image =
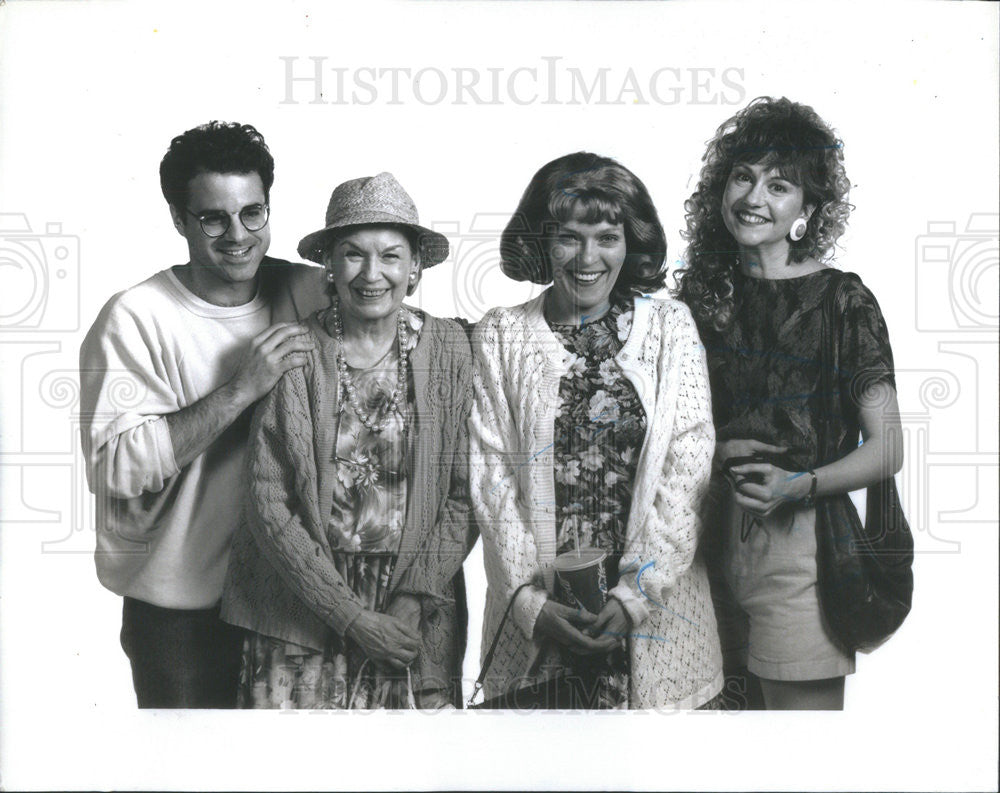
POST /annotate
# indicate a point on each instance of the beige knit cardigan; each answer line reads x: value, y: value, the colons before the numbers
x: 518, y: 362
x: 281, y: 580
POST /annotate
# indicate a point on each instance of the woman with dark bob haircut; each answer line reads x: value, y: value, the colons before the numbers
x: 598, y: 188
x: 591, y: 439
x: 770, y: 205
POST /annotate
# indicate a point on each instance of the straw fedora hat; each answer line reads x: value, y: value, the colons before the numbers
x: 373, y: 199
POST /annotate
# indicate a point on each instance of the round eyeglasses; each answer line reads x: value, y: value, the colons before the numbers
x: 215, y: 224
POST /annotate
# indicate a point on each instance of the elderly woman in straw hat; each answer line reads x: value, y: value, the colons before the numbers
x: 346, y: 569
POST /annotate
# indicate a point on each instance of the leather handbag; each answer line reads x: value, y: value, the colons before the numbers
x: 865, y: 571
x: 552, y: 691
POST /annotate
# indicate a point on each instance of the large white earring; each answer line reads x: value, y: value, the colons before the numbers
x: 329, y: 276
x: 798, y: 229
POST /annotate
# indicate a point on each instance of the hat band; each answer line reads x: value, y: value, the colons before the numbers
x: 363, y: 217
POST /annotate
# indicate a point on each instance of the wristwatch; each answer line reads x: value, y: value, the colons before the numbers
x: 810, y: 500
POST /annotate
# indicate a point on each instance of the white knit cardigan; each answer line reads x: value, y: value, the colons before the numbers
x: 674, y: 647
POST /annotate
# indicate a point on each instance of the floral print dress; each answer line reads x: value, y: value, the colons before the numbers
x: 599, y: 431
x: 364, y: 528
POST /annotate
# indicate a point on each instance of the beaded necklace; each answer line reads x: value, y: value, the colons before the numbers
x: 347, y: 382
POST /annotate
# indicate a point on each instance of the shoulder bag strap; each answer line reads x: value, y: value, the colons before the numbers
x: 493, y: 646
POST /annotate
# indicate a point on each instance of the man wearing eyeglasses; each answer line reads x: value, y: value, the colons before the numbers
x: 169, y: 372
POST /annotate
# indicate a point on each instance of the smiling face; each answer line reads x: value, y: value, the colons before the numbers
x: 586, y: 259
x: 759, y: 206
x: 223, y: 269
x: 371, y: 269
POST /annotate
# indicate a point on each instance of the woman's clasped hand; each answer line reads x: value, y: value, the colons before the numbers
x: 394, y: 640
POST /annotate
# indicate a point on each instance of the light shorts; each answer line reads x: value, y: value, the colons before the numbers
x: 770, y: 565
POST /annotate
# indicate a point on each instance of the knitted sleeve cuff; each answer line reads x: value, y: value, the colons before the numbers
x: 343, y: 614
x: 635, y: 606
x: 527, y: 605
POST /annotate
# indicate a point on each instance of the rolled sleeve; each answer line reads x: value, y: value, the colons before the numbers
x: 136, y: 461
x: 125, y: 397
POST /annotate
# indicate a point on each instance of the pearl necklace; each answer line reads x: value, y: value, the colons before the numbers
x: 347, y: 382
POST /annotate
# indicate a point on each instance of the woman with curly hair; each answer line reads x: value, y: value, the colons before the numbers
x: 591, y: 427
x: 769, y: 207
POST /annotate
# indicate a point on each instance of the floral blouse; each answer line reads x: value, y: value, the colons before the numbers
x: 599, y: 431
x: 369, y: 496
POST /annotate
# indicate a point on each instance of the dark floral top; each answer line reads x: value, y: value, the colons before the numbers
x: 765, y: 368
x: 599, y: 431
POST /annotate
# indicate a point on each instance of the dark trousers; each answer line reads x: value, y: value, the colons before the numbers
x: 181, y: 658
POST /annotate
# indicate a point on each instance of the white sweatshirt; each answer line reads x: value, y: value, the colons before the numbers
x: 163, y: 533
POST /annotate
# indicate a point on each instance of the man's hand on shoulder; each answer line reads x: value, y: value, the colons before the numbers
x: 267, y: 357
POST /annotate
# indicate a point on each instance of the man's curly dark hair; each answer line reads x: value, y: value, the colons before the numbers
x: 215, y: 147
x: 777, y: 133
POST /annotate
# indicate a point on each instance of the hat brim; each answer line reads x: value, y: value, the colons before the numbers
x: 433, y: 245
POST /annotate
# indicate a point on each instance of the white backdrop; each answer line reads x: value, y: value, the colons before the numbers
x: 91, y: 94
